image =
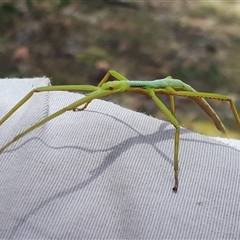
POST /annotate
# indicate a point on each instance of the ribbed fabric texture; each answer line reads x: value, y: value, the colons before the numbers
x: 107, y: 173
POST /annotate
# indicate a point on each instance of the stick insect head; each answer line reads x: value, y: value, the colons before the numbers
x: 116, y: 86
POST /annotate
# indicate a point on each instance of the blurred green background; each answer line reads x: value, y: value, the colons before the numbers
x: 77, y: 42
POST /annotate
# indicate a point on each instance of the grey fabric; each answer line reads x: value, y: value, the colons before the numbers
x: 106, y: 173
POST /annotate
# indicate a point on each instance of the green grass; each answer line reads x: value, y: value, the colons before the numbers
x: 208, y: 128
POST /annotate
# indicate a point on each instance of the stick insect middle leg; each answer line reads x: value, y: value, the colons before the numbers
x: 174, y: 121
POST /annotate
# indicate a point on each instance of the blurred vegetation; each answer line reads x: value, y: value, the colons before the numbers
x: 76, y: 42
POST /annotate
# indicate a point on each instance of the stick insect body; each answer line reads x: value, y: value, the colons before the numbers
x: 168, y: 86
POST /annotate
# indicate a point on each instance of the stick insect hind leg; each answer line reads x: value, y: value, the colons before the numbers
x: 198, y: 96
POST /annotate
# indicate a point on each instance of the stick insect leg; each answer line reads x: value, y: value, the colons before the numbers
x: 47, y: 89
x: 172, y: 105
x: 110, y: 73
x: 198, y: 97
x: 96, y: 94
x: 176, y: 124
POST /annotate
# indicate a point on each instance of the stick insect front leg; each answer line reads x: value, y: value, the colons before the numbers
x: 110, y: 73
x: 47, y: 89
x: 95, y: 94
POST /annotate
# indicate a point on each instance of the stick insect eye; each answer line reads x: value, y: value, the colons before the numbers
x: 108, y: 86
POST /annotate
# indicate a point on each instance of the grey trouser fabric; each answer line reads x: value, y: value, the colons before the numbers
x: 107, y: 172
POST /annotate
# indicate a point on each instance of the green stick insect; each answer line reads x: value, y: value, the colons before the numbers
x: 168, y: 86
